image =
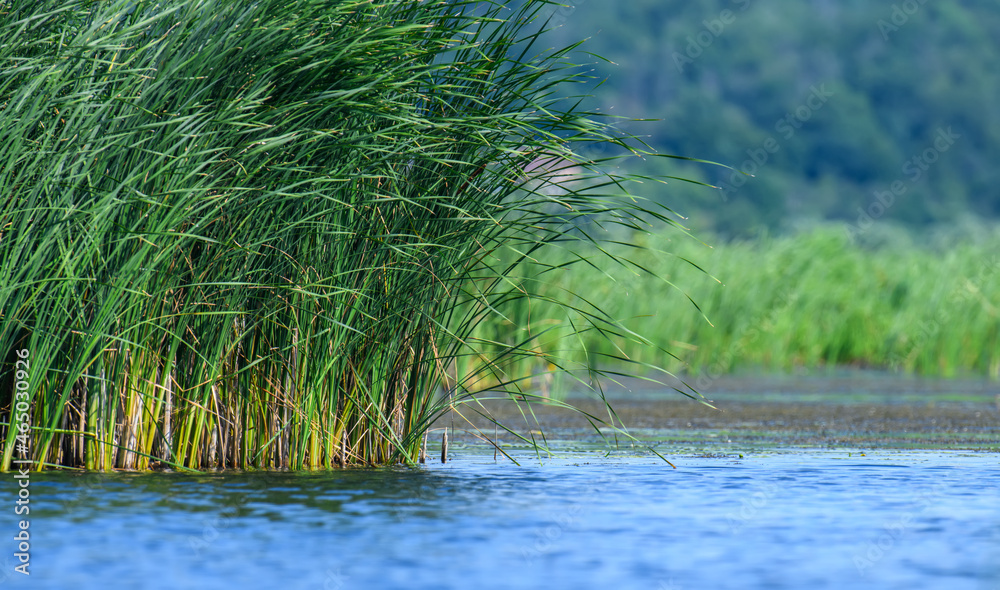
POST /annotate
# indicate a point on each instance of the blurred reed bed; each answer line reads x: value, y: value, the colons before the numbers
x: 263, y: 234
x: 925, y: 303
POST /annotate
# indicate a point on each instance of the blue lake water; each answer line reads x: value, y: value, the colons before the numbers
x: 793, y: 518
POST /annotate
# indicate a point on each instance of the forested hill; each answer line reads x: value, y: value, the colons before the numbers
x: 839, y: 108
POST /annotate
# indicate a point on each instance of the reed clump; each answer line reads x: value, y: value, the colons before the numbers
x: 261, y: 234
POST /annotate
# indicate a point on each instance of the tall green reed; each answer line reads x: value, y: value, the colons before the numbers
x: 260, y: 234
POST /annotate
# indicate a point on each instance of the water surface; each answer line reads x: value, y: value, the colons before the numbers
x: 817, y: 519
x: 791, y: 487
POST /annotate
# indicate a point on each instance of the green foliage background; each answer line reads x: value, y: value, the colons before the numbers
x: 815, y: 299
x: 721, y: 82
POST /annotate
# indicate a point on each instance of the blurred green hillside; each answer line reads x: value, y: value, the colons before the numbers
x: 841, y: 110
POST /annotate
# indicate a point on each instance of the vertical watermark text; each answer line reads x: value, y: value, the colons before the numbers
x: 21, y: 421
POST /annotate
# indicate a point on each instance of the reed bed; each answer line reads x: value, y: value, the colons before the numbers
x: 263, y: 234
x: 912, y: 301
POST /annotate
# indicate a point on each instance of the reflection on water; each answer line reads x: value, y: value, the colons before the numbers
x: 803, y: 519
